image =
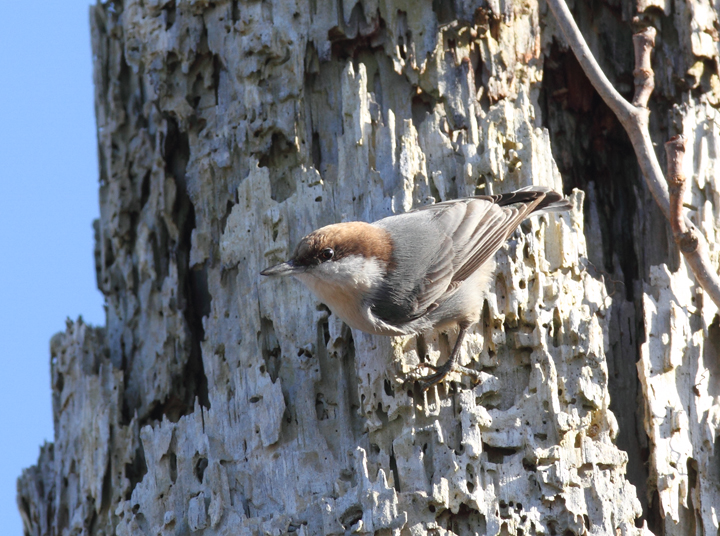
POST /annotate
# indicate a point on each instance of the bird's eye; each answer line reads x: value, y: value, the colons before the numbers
x: 327, y: 254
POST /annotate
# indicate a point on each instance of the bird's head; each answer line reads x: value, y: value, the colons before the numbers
x: 343, y: 253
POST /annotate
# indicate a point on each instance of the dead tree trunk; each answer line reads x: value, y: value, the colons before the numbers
x: 214, y: 402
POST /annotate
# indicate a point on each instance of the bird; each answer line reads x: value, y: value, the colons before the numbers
x: 426, y: 269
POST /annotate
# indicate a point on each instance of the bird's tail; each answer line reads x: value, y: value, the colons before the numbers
x: 552, y: 201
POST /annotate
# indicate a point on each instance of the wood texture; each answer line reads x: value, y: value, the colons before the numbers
x: 217, y: 402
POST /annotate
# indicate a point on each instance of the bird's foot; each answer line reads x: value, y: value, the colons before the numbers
x: 426, y: 382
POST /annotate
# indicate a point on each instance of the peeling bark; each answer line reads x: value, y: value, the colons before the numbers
x: 214, y: 402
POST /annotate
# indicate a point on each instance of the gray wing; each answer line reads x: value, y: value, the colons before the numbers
x: 439, y: 246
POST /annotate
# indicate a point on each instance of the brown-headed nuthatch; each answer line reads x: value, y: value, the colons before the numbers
x: 411, y: 273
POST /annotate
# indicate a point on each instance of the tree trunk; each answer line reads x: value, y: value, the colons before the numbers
x: 217, y: 402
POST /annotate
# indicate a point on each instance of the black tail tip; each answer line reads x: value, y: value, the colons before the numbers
x: 554, y: 202
x: 551, y: 201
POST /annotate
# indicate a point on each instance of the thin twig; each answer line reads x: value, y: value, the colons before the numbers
x: 643, y: 41
x: 687, y: 239
x: 675, y: 150
x: 634, y: 119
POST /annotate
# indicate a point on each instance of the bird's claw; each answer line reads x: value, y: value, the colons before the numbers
x: 426, y: 382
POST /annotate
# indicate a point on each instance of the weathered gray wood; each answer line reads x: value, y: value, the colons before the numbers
x: 215, y: 402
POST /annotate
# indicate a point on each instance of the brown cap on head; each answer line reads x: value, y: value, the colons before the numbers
x: 344, y: 239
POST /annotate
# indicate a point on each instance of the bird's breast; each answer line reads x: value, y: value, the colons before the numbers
x: 345, y: 286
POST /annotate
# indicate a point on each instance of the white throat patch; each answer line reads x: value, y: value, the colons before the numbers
x: 343, y: 285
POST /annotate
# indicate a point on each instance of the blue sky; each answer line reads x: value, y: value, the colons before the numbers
x: 48, y: 188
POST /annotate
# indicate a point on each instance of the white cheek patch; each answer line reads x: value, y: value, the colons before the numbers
x: 355, y: 271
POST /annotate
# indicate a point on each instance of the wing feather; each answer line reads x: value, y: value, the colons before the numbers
x: 465, y: 234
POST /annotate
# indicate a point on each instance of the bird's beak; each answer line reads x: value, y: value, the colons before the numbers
x: 282, y: 269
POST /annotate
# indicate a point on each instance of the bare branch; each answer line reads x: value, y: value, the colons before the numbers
x: 634, y: 118
x: 643, y: 41
x: 622, y: 108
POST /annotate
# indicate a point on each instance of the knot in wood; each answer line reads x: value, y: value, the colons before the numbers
x: 675, y: 182
x: 688, y: 242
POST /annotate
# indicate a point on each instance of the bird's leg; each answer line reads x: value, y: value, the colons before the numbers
x: 443, y: 370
